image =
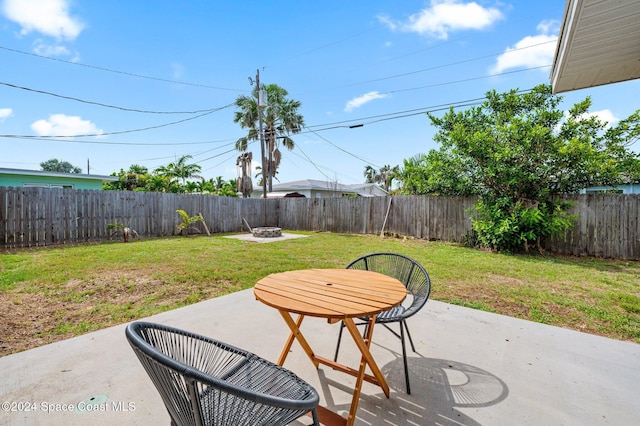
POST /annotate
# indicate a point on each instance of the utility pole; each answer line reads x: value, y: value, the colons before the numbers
x: 264, y: 165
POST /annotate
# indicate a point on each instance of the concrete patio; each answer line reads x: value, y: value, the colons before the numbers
x: 471, y: 368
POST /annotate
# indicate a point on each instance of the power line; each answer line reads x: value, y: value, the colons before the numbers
x: 420, y: 110
x: 205, y: 112
x: 400, y: 114
x: 218, y: 155
x: 318, y: 165
x: 394, y: 116
x: 450, y: 64
x: 444, y: 66
x: 430, y: 110
x: 115, y: 133
x: 218, y: 147
x: 332, y: 43
x: 121, y: 72
x: 223, y: 153
x: 415, y: 52
x: 222, y: 162
x: 37, y: 138
x: 341, y: 149
x: 312, y: 163
x: 464, y: 80
x: 403, y: 114
x: 195, y: 154
x: 14, y: 86
x: 310, y: 128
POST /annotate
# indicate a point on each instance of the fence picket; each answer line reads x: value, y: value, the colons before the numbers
x: 608, y: 224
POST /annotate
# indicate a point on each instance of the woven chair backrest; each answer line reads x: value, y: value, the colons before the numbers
x: 404, y: 269
x: 203, y: 381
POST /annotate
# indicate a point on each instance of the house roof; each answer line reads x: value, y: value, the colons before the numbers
x: 599, y: 43
x: 368, y: 189
x: 320, y: 185
x: 22, y: 172
x: 311, y: 184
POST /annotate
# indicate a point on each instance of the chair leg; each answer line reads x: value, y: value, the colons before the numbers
x: 314, y: 415
x: 403, y: 327
x: 335, y: 358
x: 404, y: 357
x: 365, y: 332
x: 409, y: 334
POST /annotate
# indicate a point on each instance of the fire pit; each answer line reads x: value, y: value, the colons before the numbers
x: 267, y: 232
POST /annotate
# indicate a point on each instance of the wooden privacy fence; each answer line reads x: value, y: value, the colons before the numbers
x: 42, y: 216
x: 608, y: 225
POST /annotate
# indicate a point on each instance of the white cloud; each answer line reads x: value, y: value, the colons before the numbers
x: 605, y: 115
x: 388, y: 22
x: 361, y: 100
x: 50, y: 50
x: 531, y: 51
x: 65, y: 125
x: 446, y: 16
x: 42, y: 48
x: 5, y: 113
x: 48, y: 17
x: 549, y: 26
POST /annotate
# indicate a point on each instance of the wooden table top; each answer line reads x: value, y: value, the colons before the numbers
x: 330, y: 293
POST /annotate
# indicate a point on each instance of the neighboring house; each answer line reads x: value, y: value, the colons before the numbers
x: 368, y: 189
x: 321, y: 189
x: 40, y: 179
x: 629, y: 188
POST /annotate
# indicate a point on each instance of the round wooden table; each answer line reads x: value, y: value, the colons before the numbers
x: 337, y: 295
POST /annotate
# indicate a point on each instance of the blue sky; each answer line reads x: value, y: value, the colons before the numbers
x: 148, y: 82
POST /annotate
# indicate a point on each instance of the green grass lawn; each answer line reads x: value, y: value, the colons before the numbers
x: 52, y: 294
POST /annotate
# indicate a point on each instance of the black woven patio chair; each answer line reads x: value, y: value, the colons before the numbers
x: 206, y: 382
x: 416, y: 280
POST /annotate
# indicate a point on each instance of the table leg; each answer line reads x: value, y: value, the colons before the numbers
x: 364, y: 349
x: 367, y: 359
x: 294, y: 326
x: 290, y: 339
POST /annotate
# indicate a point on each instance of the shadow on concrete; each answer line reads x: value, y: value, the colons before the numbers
x: 439, y: 388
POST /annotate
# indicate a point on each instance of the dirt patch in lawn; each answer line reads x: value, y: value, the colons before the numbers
x: 29, y: 320
x: 25, y: 320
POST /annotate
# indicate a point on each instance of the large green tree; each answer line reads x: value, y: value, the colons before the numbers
x: 412, y: 175
x: 55, y: 165
x: 134, y: 179
x: 280, y: 118
x: 517, y: 150
x: 438, y: 173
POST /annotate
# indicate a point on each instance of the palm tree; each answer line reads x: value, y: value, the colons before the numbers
x: 245, y: 185
x: 180, y: 170
x: 371, y: 175
x: 158, y: 183
x: 384, y: 176
x: 280, y: 120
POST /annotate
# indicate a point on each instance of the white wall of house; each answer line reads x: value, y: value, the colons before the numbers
x: 322, y: 189
x: 630, y: 188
